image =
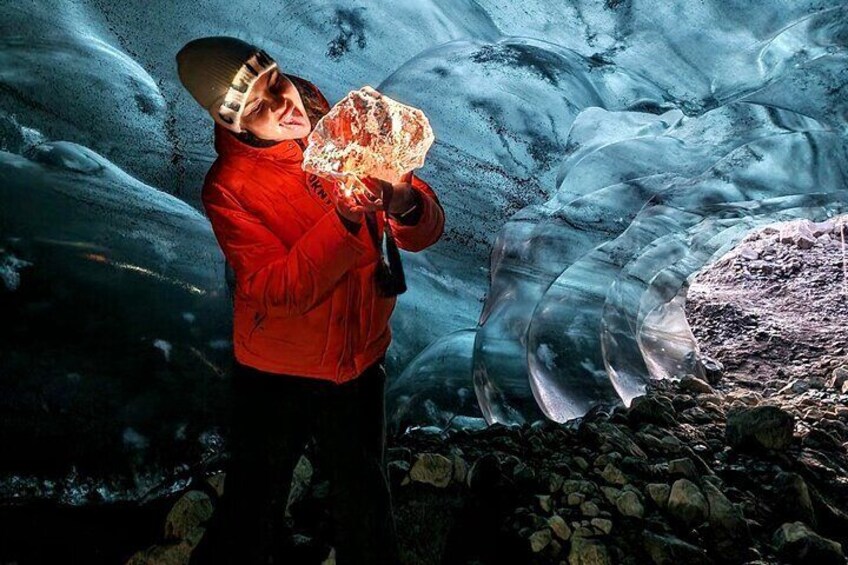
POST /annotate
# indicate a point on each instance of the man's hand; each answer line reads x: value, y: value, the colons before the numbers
x: 402, y: 193
x: 352, y: 206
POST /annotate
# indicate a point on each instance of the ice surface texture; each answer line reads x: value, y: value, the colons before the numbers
x: 366, y: 133
x: 590, y: 157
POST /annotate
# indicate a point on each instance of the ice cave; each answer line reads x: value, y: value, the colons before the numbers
x: 592, y: 158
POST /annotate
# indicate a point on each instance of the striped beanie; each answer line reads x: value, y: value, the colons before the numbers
x: 219, y: 73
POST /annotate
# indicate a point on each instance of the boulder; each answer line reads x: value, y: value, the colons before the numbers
x: 585, y: 551
x: 794, y: 501
x: 629, y: 504
x: 559, y: 527
x: 759, y: 427
x: 683, y: 467
x: 188, y: 515
x: 796, y: 543
x: 659, y: 493
x: 687, y: 504
x: 432, y: 468
x: 652, y: 409
x: 540, y: 539
x: 694, y: 385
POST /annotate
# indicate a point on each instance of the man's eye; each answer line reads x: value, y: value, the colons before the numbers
x: 255, y: 109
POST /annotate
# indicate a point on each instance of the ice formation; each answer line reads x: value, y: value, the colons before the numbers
x: 590, y: 156
x: 367, y: 133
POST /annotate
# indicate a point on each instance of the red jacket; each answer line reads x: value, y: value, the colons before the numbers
x: 305, y: 300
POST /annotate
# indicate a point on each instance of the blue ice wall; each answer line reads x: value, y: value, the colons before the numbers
x: 590, y: 157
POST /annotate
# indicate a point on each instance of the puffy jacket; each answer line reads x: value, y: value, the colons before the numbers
x: 305, y: 301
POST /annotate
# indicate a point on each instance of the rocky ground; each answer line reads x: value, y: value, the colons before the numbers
x: 747, y: 466
x: 774, y: 310
x: 691, y: 473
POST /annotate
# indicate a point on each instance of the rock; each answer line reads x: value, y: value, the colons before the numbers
x: 582, y: 530
x: 694, y: 385
x: 588, y: 552
x: 523, y: 473
x: 671, y: 444
x: 794, y: 498
x: 602, y: 525
x: 796, y: 386
x: 188, y: 514
x: 759, y: 427
x: 576, y: 486
x: 590, y: 509
x: 805, y: 241
x: 629, y: 504
x: 799, y: 234
x: 613, y: 475
x: 331, y: 557
x: 838, y: 378
x: 821, y: 228
x: 684, y: 467
x: 659, y: 493
x: 722, y: 513
x: 555, y: 548
x: 796, y: 543
x: 748, y: 252
x: 686, y: 503
x: 301, y: 478
x: 432, y: 468
x: 576, y: 498
x: 540, y: 539
x: 651, y: 409
x: 669, y: 550
x: 611, y: 494
x: 544, y: 501
x: 713, y: 369
x: 559, y: 527
x: 555, y: 482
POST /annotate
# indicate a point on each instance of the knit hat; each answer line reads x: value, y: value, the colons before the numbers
x: 219, y: 73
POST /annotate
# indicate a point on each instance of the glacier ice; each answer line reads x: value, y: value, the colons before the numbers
x: 590, y: 156
x: 101, y: 366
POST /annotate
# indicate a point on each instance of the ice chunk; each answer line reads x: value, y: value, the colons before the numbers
x: 367, y: 133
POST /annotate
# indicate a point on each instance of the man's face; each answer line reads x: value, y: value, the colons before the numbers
x: 274, y: 110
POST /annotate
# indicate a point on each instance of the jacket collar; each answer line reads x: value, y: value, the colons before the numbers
x: 288, y: 150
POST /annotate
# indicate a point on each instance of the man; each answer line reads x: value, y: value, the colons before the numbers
x: 311, y: 326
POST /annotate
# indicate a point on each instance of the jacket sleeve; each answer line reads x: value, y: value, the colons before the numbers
x: 430, y: 225
x: 291, y: 280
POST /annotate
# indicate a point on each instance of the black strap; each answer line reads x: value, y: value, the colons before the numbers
x: 390, y: 278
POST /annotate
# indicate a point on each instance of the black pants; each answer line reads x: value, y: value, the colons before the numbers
x: 273, y: 417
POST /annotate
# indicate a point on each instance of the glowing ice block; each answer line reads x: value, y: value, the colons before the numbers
x: 368, y: 134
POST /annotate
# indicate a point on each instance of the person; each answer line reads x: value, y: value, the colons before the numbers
x: 311, y: 308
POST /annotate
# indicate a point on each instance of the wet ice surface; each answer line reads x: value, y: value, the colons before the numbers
x: 590, y: 158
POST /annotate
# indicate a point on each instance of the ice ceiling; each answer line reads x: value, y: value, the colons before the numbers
x: 590, y: 157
